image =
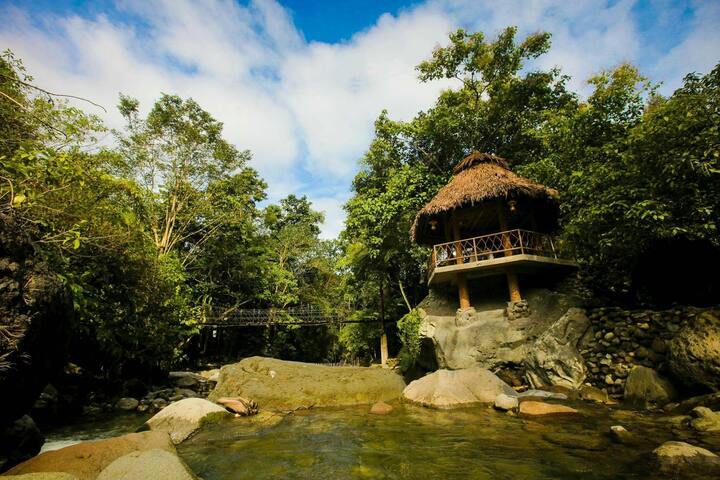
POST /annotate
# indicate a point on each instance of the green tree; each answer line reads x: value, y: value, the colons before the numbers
x: 496, y: 107
x: 186, y: 168
x: 633, y: 169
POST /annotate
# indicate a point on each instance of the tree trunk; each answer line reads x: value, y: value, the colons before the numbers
x: 383, y: 336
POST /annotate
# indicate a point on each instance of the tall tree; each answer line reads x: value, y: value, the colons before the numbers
x: 179, y: 156
x: 495, y: 107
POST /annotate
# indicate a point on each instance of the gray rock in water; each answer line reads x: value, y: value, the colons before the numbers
x: 542, y: 394
x: 181, y: 419
x: 506, y: 402
x: 456, y: 388
x: 619, y: 434
x: 554, y: 358
x: 187, y: 381
x: 680, y: 458
x: 695, y: 352
x: 155, y: 464
x: 645, y: 388
x: 127, y: 404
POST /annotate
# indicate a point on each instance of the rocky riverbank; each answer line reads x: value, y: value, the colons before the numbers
x: 685, y: 439
x: 624, y: 339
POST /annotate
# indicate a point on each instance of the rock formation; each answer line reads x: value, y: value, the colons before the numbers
x: 182, y: 418
x: 156, y: 464
x: 282, y: 385
x: 644, y: 387
x: 554, y: 358
x: 485, y: 336
x: 456, y: 388
x: 695, y: 352
x: 86, y: 460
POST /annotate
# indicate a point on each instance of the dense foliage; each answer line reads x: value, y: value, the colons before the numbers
x: 168, y: 225
x: 156, y: 233
x: 638, y: 174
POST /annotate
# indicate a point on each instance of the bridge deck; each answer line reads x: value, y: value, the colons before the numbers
x: 299, y: 316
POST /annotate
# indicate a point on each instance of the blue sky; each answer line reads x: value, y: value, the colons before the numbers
x: 300, y: 83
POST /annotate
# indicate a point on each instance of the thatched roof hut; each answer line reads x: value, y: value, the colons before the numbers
x: 481, y: 180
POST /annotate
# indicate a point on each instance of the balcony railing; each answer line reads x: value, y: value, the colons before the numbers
x: 488, y: 247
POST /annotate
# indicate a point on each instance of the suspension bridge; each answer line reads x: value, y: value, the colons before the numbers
x: 298, y: 316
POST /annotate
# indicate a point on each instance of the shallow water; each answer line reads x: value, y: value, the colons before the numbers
x: 95, y: 427
x: 418, y: 443
x: 410, y: 443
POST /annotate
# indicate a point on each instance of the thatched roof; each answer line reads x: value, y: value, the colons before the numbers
x: 479, y: 177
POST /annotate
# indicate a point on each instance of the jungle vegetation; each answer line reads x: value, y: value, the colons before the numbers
x: 169, y: 221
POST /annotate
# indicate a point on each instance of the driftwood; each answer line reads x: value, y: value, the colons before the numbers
x: 238, y: 405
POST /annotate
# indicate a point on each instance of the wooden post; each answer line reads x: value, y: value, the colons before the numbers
x: 383, y: 336
x: 463, y: 291
x: 512, y: 280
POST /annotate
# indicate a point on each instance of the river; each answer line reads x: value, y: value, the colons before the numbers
x: 411, y: 443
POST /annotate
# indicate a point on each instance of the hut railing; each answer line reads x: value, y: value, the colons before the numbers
x: 488, y: 247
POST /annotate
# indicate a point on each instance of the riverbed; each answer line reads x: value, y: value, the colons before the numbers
x: 413, y: 443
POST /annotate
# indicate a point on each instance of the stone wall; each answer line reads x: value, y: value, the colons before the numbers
x: 626, y: 338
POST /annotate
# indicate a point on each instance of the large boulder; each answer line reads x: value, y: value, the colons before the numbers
x: 155, y: 464
x: 472, y: 338
x: 487, y: 335
x: 282, y: 385
x: 680, y: 458
x: 645, y: 388
x: 456, y: 388
x: 86, y: 460
x: 42, y: 476
x: 182, y: 418
x: 554, y: 358
x: 695, y: 352
x: 20, y: 441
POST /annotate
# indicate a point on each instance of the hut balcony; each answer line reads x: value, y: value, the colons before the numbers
x: 522, y: 251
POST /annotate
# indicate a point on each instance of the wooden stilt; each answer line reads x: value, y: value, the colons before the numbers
x: 513, y: 286
x: 463, y: 291
x: 512, y: 280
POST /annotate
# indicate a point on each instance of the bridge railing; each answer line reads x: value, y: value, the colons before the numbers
x: 303, y: 315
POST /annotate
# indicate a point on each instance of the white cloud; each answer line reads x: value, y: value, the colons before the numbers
x: 337, y: 91
x: 587, y: 36
x: 698, y: 52
x: 331, y: 207
x: 306, y: 109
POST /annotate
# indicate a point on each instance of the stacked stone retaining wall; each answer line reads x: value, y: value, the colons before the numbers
x: 626, y: 338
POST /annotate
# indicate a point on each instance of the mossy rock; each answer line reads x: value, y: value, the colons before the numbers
x: 283, y: 385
